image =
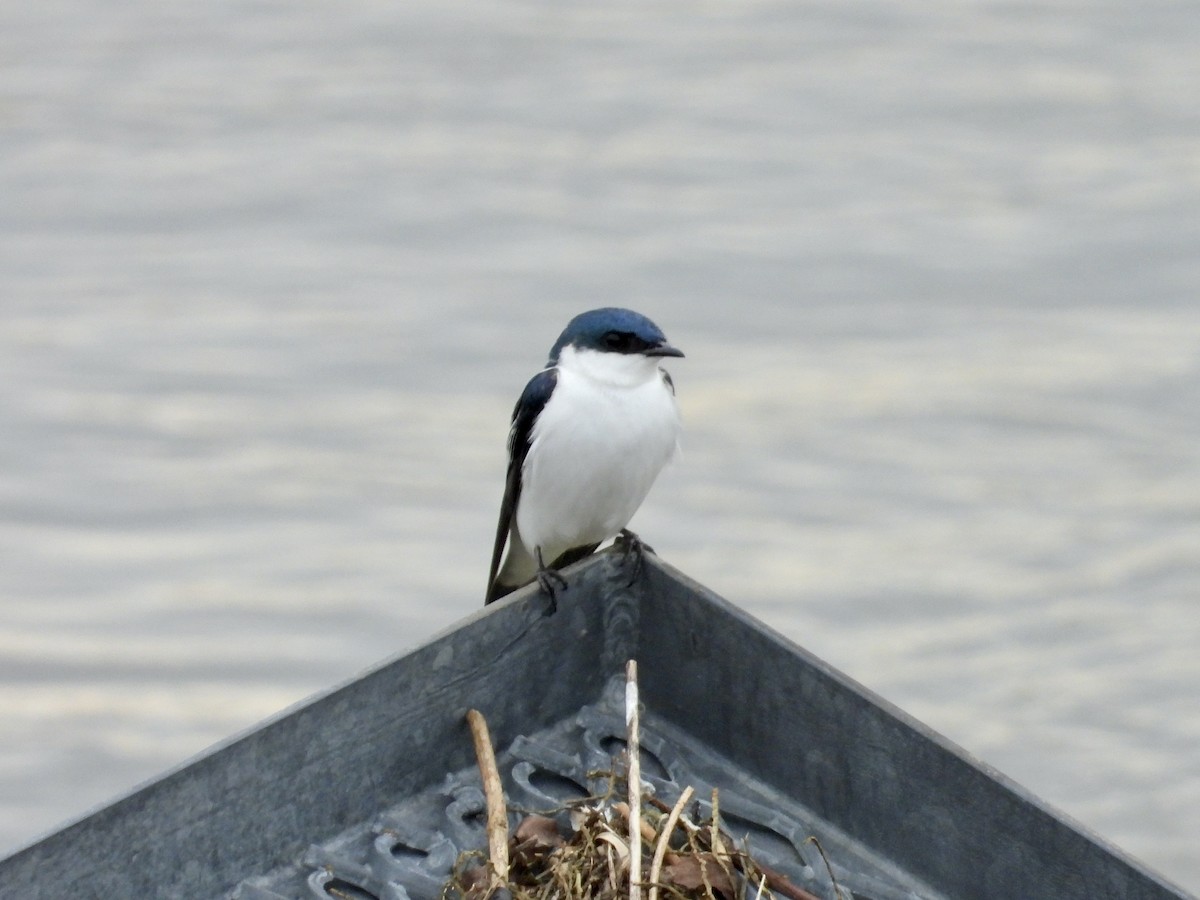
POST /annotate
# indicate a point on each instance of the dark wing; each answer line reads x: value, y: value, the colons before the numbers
x: 528, y: 408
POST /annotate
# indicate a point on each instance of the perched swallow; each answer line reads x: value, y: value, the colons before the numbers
x: 589, y: 435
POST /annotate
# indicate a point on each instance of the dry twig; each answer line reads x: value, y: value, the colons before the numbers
x: 664, y: 838
x: 634, y: 778
x: 493, y: 791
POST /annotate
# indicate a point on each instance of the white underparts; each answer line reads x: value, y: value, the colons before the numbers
x: 604, y: 435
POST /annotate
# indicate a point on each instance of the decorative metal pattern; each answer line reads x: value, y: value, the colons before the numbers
x: 409, y: 850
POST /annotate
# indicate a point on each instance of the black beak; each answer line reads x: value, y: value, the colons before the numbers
x: 663, y: 349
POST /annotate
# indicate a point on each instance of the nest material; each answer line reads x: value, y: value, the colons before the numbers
x: 601, y: 857
x: 682, y: 859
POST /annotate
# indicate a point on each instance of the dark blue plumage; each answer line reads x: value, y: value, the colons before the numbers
x: 533, y: 399
x: 612, y: 329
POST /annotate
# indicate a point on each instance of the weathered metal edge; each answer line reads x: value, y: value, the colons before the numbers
x: 259, y: 799
x: 813, y: 733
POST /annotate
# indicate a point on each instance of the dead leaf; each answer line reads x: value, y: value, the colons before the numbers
x: 475, y: 881
x: 538, y: 831
x: 689, y: 872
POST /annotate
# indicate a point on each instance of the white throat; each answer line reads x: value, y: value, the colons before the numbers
x: 615, y: 369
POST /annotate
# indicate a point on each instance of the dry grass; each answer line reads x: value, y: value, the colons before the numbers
x: 688, y: 858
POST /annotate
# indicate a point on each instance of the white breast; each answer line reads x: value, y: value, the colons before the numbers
x: 603, y: 437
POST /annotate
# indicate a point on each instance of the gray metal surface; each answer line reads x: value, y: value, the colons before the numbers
x: 407, y: 852
x: 730, y: 704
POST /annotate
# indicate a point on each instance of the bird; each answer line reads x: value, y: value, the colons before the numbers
x: 590, y: 434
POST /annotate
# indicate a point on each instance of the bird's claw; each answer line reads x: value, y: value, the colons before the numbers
x: 633, y: 551
x: 551, y: 582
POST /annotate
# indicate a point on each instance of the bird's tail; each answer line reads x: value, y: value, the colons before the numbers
x: 498, y: 588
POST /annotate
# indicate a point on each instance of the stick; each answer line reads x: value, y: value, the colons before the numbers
x: 837, y: 891
x: 634, y: 777
x: 497, y: 814
x: 660, y: 850
x: 718, y: 845
x: 780, y: 883
x: 621, y: 808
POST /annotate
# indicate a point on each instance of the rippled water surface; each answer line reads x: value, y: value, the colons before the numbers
x: 271, y: 276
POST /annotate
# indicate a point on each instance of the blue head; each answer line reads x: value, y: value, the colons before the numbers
x: 613, y: 330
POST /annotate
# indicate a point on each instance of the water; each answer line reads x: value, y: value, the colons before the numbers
x: 272, y: 276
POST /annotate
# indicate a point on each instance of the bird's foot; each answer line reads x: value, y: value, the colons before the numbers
x: 633, y: 552
x: 551, y: 582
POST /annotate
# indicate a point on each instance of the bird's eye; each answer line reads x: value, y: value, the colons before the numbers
x: 615, y: 340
